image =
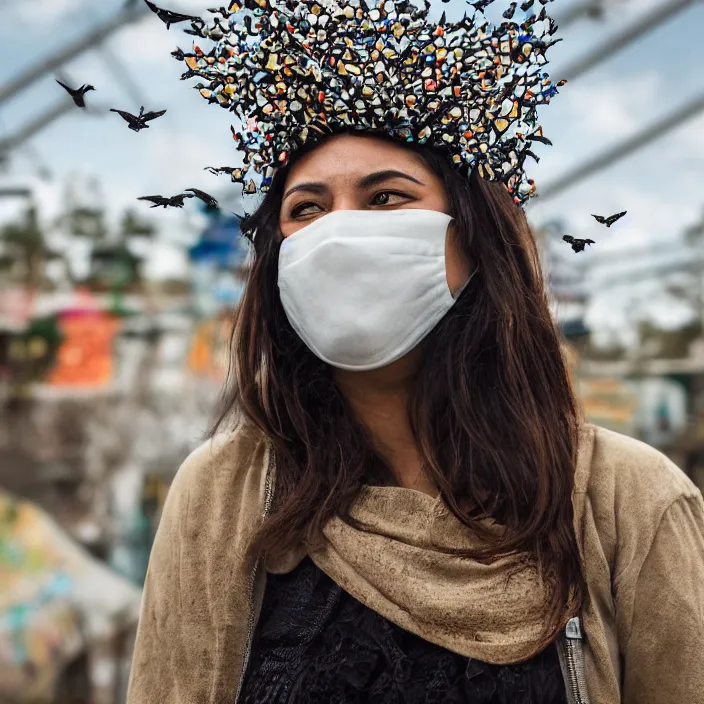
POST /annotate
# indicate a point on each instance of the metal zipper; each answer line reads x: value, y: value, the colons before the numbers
x: 269, y: 492
x: 571, y: 652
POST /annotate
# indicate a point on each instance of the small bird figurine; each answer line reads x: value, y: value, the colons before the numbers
x: 216, y: 170
x: 221, y: 10
x: 538, y: 137
x: 236, y: 174
x: 577, y: 244
x: 168, y: 17
x: 138, y: 122
x: 480, y: 5
x: 208, y: 93
x: 511, y: 11
x: 173, y: 202
x: 196, y: 30
x: 78, y: 94
x: 610, y: 220
x: 527, y: 5
x: 210, y: 202
x: 189, y: 74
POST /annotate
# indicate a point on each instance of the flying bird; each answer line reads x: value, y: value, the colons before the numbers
x: 173, y: 202
x: 527, y: 5
x: 78, y: 94
x: 211, y: 202
x: 577, y: 244
x: 168, y: 17
x: 138, y: 122
x: 609, y: 221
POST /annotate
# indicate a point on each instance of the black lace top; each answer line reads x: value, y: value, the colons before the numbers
x: 316, y: 644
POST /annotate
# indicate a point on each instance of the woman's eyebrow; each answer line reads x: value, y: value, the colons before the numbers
x: 379, y: 176
x: 365, y: 182
x: 310, y: 186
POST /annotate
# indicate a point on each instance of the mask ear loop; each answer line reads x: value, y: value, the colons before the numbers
x: 458, y: 293
x: 465, y: 284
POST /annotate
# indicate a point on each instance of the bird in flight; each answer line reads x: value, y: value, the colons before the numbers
x: 577, y: 244
x: 78, y: 94
x: 138, y: 122
x: 168, y: 17
x: 609, y: 221
x: 211, y: 202
x: 173, y: 202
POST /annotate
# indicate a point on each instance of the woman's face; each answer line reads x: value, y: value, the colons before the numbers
x: 356, y: 172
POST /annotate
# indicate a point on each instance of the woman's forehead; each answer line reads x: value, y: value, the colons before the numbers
x: 351, y: 157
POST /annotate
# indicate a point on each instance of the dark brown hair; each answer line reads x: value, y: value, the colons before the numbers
x: 492, y: 410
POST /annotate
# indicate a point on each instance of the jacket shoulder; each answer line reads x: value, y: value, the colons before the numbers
x: 220, y: 459
x: 636, y: 473
x: 624, y: 488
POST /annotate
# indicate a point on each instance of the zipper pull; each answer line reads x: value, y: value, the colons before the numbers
x: 573, y: 629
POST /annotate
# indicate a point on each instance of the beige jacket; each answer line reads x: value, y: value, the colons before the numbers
x: 640, y: 527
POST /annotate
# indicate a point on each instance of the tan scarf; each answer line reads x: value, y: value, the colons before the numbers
x: 489, y: 612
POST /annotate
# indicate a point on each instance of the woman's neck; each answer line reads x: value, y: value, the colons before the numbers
x: 379, y: 399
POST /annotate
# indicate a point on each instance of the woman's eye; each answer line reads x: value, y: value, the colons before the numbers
x: 384, y: 197
x: 300, y: 209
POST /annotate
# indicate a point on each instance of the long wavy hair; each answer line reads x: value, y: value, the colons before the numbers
x: 492, y: 408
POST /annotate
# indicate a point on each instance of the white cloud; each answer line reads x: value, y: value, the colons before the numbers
x: 165, y: 261
x: 37, y: 12
x: 615, y: 109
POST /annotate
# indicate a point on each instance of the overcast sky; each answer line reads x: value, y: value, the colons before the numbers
x: 660, y: 185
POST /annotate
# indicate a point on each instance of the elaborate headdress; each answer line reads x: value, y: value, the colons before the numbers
x: 296, y: 70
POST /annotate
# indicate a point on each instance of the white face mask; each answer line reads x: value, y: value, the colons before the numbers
x: 362, y: 288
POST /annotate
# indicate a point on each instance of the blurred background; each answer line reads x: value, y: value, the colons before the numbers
x: 114, y: 317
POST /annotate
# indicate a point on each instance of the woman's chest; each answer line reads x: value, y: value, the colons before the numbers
x: 315, y: 643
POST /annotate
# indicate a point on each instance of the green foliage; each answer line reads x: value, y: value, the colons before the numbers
x: 133, y: 226
x: 88, y: 223
x: 23, y: 243
x: 24, y: 249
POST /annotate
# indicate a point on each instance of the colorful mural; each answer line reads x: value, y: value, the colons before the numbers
x: 56, y: 602
x: 39, y: 627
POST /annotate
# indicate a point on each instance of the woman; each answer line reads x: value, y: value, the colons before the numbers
x: 402, y: 503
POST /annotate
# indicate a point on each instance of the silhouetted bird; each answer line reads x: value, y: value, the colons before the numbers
x: 577, y: 244
x: 609, y: 221
x: 138, y: 122
x: 211, y: 202
x: 168, y: 17
x: 173, y: 202
x: 78, y: 94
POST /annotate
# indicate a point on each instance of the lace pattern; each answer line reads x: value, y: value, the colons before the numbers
x: 316, y: 644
